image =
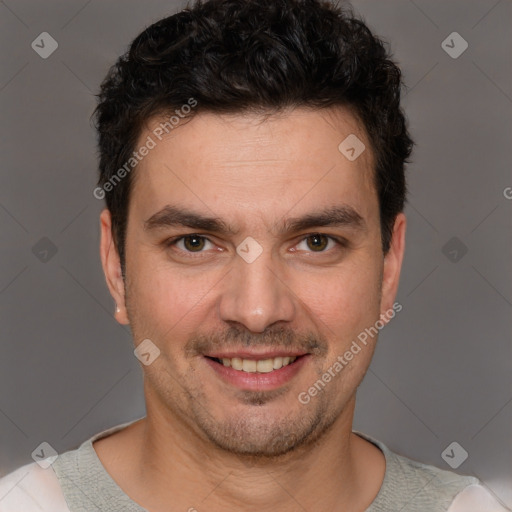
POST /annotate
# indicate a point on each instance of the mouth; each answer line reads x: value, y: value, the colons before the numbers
x: 257, y: 373
x: 255, y: 365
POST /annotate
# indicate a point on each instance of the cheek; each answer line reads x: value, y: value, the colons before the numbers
x: 165, y: 302
x: 345, y: 299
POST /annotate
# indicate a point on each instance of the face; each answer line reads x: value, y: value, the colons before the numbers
x: 253, y: 262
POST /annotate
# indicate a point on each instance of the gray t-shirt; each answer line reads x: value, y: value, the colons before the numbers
x: 408, y: 485
x: 77, y: 482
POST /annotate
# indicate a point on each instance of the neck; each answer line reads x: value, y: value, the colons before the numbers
x: 173, y: 464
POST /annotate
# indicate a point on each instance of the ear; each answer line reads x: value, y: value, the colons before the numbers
x: 112, y: 267
x: 393, y: 264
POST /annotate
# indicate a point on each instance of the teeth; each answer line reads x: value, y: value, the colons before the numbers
x: 249, y: 365
x: 261, y: 366
x: 277, y: 363
x: 236, y: 363
x: 265, y: 365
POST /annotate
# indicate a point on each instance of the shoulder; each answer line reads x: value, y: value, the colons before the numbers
x: 453, y: 492
x: 31, y: 488
x: 414, y: 486
x: 426, y: 487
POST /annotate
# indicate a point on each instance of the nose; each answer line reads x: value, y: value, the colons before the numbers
x: 256, y: 294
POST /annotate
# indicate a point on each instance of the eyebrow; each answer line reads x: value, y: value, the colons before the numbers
x: 335, y: 216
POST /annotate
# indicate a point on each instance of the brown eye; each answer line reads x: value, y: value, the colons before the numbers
x: 317, y: 242
x: 193, y: 243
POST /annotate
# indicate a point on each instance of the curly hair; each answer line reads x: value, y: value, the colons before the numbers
x: 235, y: 56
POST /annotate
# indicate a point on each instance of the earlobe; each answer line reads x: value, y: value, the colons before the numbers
x: 112, y: 267
x: 393, y: 264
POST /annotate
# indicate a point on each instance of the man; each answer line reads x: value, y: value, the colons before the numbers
x: 252, y: 161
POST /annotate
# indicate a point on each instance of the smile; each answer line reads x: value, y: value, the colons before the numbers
x: 255, y: 366
x: 252, y: 374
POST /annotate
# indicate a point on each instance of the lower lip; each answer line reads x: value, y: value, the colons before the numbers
x: 258, y: 381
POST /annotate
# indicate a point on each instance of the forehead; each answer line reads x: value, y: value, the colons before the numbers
x: 255, y: 164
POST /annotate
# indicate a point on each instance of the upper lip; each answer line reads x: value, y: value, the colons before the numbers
x: 252, y: 354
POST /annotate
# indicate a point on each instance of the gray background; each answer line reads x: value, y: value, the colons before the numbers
x: 442, y: 370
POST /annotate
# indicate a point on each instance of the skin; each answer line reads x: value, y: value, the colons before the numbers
x: 205, y: 444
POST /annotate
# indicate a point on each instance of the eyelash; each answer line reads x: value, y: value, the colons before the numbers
x: 173, y: 241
